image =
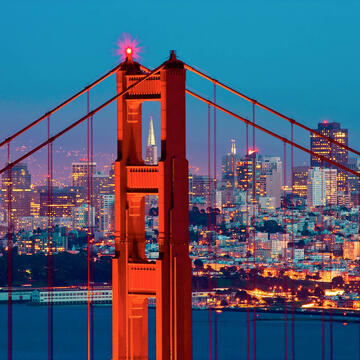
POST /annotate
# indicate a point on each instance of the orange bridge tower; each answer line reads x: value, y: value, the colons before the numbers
x: 135, y: 278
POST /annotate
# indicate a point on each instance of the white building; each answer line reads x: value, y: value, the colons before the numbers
x: 322, y: 187
x: 106, y: 212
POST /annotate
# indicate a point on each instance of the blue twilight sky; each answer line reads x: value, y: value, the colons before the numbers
x: 299, y: 56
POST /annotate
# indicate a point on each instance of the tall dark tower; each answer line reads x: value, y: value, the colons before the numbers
x: 336, y: 153
x: 135, y: 278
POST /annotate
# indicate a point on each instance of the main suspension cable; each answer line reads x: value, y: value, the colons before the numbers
x: 76, y: 123
x: 271, y: 133
x: 257, y: 103
x: 64, y: 103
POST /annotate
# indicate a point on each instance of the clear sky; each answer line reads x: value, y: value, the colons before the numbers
x: 299, y: 56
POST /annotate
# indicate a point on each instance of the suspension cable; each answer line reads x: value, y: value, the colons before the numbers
x: 9, y: 255
x: 257, y: 103
x: 285, y: 250
x: 271, y: 133
x: 293, y: 248
x: 50, y: 246
x: 90, y: 315
x: 209, y: 232
x: 253, y: 202
x: 76, y: 123
x: 214, y: 219
x: 247, y: 242
x: 64, y: 103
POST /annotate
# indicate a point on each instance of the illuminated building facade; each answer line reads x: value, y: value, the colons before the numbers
x: 107, y: 213
x: 62, y: 201
x: 81, y: 218
x: 80, y: 172
x: 102, y: 185
x: 229, y: 162
x: 299, y: 181
x: 353, y: 180
x: 336, y: 153
x: 322, y: 187
x: 351, y: 249
x: 19, y: 179
x: 200, y: 186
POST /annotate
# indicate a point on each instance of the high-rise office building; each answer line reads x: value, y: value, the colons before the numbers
x: 299, y: 181
x: 353, y: 180
x: 80, y: 171
x: 19, y: 180
x: 107, y: 213
x: 229, y: 163
x: 322, y: 187
x: 151, y: 155
x: 336, y: 153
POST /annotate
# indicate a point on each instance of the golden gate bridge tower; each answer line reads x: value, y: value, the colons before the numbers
x: 135, y: 278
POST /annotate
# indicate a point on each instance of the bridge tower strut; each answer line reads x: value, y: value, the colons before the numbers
x: 135, y: 278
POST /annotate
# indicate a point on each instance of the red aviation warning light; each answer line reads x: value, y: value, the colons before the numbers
x: 128, y: 48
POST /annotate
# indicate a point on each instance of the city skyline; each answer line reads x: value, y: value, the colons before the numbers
x: 298, y: 50
x: 188, y: 156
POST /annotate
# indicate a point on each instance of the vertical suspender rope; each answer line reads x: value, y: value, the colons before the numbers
x: 253, y: 220
x: 92, y: 212
x: 293, y: 248
x: 209, y: 229
x: 89, y: 257
x: 50, y: 246
x: 214, y: 218
x: 285, y: 255
x: 9, y: 253
x: 330, y: 195
x: 323, y: 199
x: 247, y: 243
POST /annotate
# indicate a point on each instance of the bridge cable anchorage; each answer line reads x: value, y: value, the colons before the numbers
x: 271, y: 133
x: 267, y: 108
x: 58, y: 107
x: 9, y: 255
x: 76, y: 123
x: 50, y: 244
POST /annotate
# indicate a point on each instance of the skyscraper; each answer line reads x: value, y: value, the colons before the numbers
x: 229, y: 162
x: 151, y: 155
x: 80, y: 172
x: 322, y: 187
x: 336, y: 153
x: 19, y: 179
x: 299, y: 179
